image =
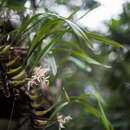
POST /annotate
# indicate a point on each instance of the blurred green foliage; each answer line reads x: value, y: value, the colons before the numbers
x: 117, y: 80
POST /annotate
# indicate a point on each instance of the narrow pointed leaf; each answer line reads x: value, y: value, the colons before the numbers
x: 53, y: 63
x: 47, y: 49
x: 73, y: 44
x: 14, y: 8
x: 66, y: 95
x: 104, y: 119
x: 77, y: 30
x: 104, y: 40
x: 88, y: 59
x: 59, y: 109
x: 97, y: 93
x: 64, y: 103
x: 87, y: 12
x: 79, y: 97
x: 83, y: 56
x: 76, y: 10
x: 90, y: 108
x: 40, y: 35
x: 27, y: 23
x: 80, y: 33
x: 80, y: 64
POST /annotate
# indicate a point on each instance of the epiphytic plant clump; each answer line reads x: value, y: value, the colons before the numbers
x: 40, y: 98
x: 24, y: 87
x: 33, y: 91
x: 28, y: 94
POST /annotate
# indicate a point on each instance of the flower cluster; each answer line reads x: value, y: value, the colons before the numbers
x: 39, y: 76
x: 40, y: 73
x: 62, y: 120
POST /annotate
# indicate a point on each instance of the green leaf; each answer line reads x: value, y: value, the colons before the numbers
x: 104, y: 40
x: 102, y: 115
x: 53, y: 63
x: 76, y: 29
x: 43, y: 31
x: 41, y: 34
x: 79, y: 97
x: 29, y: 21
x: 73, y: 44
x: 83, y: 56
x: 88, y: 59
x: 94, y: 7
x: 75, y: 11
x: 47, y: 49
x: 90, y: 108
x: 14, y: 8
x: 79, y: 32
x: 25, y: 25
x: 66, y: 95
x: 80, y: 64
x: 104, y: 119
x: 59, y: 109
x: 97, y: 93
x: 62, y: 21
x: 62, y: 104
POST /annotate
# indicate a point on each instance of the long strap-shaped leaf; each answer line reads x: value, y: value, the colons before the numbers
x: 103, y: 39
x: 88, y: 59
x: 47, y: 26
x: 53, y: 63
x: 77, y: 30
x: 24, y: 26
x: 41, y: 34
x: 80, y: 33
x: 83, y: 56
x: 99, y: 38
x: 44, y: 32
x: 100, y: 101
x: 13, y: 8
x: 64, y: 103
x: 47, y: 49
